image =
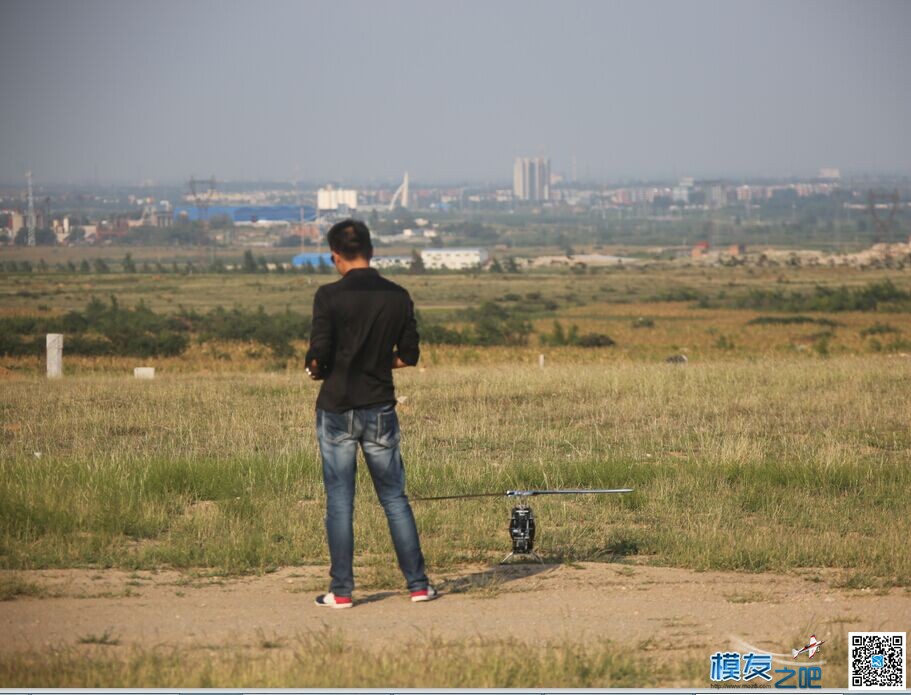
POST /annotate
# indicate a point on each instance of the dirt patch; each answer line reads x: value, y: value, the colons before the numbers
x: 684, y: 611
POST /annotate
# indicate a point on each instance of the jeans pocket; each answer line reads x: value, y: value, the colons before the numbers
x: 388, y: 433
x: 336, y: 426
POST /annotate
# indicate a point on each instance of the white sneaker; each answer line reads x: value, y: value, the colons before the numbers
x: 333, y: 601
x: 427, y: 594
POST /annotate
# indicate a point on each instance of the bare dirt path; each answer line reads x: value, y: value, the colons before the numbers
x: 681, y: 610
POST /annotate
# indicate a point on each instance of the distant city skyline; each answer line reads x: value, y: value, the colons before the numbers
x: 117, y: 92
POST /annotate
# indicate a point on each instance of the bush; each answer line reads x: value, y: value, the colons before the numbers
x: 273, y: 330
x: 490, y: 324
x: 591, y: 340
x: 877, y: 296
x: 678, y: 294
x: 494, y: 325
x: 559, y: 337
x: 878, y: 329
x: 789, y: 320
x: 436, y: 333
x: 722, y: 342
x: 109, y: 329
x: 13, y: 346
x: 821, y: 345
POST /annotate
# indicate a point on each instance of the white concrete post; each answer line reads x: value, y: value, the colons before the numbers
x: 541, y: 360
x: 54, y: 355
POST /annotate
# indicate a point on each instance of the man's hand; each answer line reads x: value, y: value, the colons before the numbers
x: 398, y: 364
x: 313, y: 370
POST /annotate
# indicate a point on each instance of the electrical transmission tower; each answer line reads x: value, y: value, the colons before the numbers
x: 31, y: 223
x: 202, y: 192
x: 883, y: 226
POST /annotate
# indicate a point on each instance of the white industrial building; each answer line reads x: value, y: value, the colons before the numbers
x: 331, y: 198
x: 453, y: 259
x: 391, y: 262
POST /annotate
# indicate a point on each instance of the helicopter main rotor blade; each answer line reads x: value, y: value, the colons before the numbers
x: 535, y: 493
x: 458, y: 497
x: 524, y: 493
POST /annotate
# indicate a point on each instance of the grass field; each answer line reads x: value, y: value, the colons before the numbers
x: 327, y: 661
x: 651, y: 312
x: 737, y: 465
x: 778, y: 447
x: 434, y: 293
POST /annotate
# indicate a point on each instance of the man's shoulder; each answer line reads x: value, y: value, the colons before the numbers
x: 389, y: 285
x: 328, y: 288
x: 373, y: 281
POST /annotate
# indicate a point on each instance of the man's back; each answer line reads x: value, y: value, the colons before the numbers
x: 361, y: 323
x: 363, y: 328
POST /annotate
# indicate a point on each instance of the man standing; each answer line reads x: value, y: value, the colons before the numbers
x: 363, y: 328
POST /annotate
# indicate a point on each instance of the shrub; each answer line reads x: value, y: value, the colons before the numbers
x: 434, y: 333
x: 789, y: 320
x: 489, y: 324
x: 878, y: 329
x: 559, y: 337
x: 595, y: 340
x: 273, y: 330
x: 109, y: 329
x: 494, y: 325
x: 724, y: 343
x: 877, y: 296
x: 678, y: 294
x: 821, y: 345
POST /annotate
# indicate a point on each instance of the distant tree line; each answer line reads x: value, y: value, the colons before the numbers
x: 106, y: 328
x: 109, y: 329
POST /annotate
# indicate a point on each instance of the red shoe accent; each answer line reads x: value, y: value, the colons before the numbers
x: 427, y: 594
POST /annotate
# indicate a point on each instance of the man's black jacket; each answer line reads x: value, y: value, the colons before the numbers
x: 360, y: 324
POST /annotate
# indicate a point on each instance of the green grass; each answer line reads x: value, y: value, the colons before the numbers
x: 326, y: 660
x: 765, y: 465
x: 441, y: 294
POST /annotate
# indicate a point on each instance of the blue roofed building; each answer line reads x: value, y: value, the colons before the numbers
x: 312, y: 259
x: 250, y: 214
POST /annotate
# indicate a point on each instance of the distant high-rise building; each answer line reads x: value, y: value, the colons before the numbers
x: 330, y: 198
x: 531, y: 178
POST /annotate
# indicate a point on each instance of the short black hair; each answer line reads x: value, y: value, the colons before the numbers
x: 351, y: 239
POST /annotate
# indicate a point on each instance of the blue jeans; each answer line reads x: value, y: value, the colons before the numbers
x: 376, y: 428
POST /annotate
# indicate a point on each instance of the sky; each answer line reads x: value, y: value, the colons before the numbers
x: 359, y: 92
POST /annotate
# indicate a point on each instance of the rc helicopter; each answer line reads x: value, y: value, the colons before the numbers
x: 522, y: 524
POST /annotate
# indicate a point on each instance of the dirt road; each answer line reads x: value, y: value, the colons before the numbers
x: 685, y: 611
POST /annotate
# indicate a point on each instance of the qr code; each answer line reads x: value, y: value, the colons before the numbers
x: 876, y: 660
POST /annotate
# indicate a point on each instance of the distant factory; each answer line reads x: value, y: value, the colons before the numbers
x: 341, y: 200
x: 453, y: 259
x: 263, y: 215
x: 432, y: 259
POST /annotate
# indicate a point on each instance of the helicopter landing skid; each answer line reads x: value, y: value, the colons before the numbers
x: 515, y: 554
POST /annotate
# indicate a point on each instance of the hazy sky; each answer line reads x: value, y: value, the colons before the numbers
x: 450, y: 91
